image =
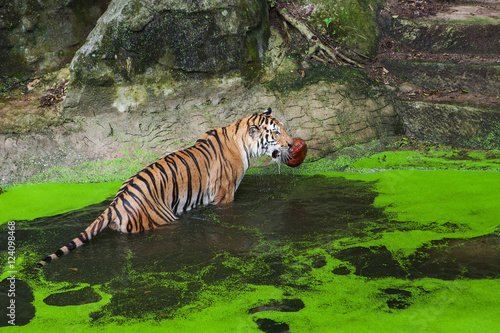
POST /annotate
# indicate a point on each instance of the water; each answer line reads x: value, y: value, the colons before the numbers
x: 280, y: 231
x: 267, y: 210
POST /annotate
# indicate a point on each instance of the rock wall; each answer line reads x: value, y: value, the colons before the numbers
x: 141, y: 54
x: 38, y: 37
x: 449, y: 60
x: 145, y: 87
x: 328, y: 115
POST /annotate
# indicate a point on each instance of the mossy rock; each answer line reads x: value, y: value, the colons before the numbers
x: 474, y: 35
x: 456, y: 125
x: 37, y: 38
x: 151, y: 50
x: 350, y: 22
x: 480, y: 77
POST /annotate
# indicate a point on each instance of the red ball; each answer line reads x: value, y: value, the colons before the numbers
x: 297, y: 153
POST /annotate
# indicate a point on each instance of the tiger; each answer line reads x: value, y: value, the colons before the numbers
x: 209, y: 172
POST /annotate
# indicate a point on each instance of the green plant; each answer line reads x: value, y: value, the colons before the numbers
x: 271, y: 3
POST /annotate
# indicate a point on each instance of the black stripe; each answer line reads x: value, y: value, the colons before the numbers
x: 251, y: 120
x: 224, y: 132
x: 261, y: 120
x: 203, y: 145
x: 212, y: 146
x: 145, y: 182
x: 189, y: 187
x: 237, y: 126
x: 195, y: 160
x: 152, y: 205
x: 163, y: 180
x: 202, y: 151
x: 71, y: 246
x: 175, y: 188
x: 152, y: 178
x: 216, y: 136
x: 82, y: 235
x: 109, y: 217
x: 47, y: 259
x: 170, y: 159
x: 159, y: 207
x: 193, y: 157
x: 117, y: 212
x: 144, y: 200
x: 129, y: 210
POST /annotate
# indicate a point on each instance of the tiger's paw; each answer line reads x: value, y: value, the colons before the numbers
x: 297, y: 153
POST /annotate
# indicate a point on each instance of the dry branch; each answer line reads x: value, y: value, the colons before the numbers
x: 320, y: 48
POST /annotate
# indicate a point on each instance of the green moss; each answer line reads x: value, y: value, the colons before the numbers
x: 351, y: 22
x: 290, y: 80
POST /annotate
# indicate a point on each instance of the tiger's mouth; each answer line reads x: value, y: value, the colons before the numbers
x: 281, y: 155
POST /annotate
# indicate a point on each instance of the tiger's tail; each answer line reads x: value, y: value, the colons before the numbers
x: 92, y: 230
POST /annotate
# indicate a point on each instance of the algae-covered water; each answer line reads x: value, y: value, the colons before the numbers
x: 391, y: 251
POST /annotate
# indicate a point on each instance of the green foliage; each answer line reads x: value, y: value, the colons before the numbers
x: 272, y: 3
x: 328, y: 21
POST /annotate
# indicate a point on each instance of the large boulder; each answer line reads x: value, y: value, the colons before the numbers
x: 142, y: 52
x: 37, y: 37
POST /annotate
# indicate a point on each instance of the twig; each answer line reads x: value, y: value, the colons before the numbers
x: 320, y: 49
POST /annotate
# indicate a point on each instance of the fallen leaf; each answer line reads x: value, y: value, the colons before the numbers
x: 33, y: 83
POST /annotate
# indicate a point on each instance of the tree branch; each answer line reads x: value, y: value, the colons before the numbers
x: 320, y: 48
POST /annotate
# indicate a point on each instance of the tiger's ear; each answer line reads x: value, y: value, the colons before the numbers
x: 268, y: 111
x: 253, y: 131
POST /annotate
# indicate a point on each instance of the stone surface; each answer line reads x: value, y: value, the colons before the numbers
x: 456, y: 125
x: 38, y: 37
x: 448, y: 57
x: 477, y: 77
x: 327, y: 115
x: 132, y: 105
x: 350, y: 22
x: 141, y: 53
x: 447, y: 33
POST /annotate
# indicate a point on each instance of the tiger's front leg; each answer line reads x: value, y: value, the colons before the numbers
x: 224, y: 196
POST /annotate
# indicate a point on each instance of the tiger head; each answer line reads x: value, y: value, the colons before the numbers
x: 267, y: 136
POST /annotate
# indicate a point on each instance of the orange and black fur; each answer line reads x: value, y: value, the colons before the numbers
x: 209, y: 172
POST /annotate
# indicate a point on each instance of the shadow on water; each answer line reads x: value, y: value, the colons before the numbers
x: 249, y: 241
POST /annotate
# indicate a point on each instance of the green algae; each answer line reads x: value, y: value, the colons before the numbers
x: 26, y: 202
x: 230, y: 291
x: 431, y: 159
x: 439, y: 204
